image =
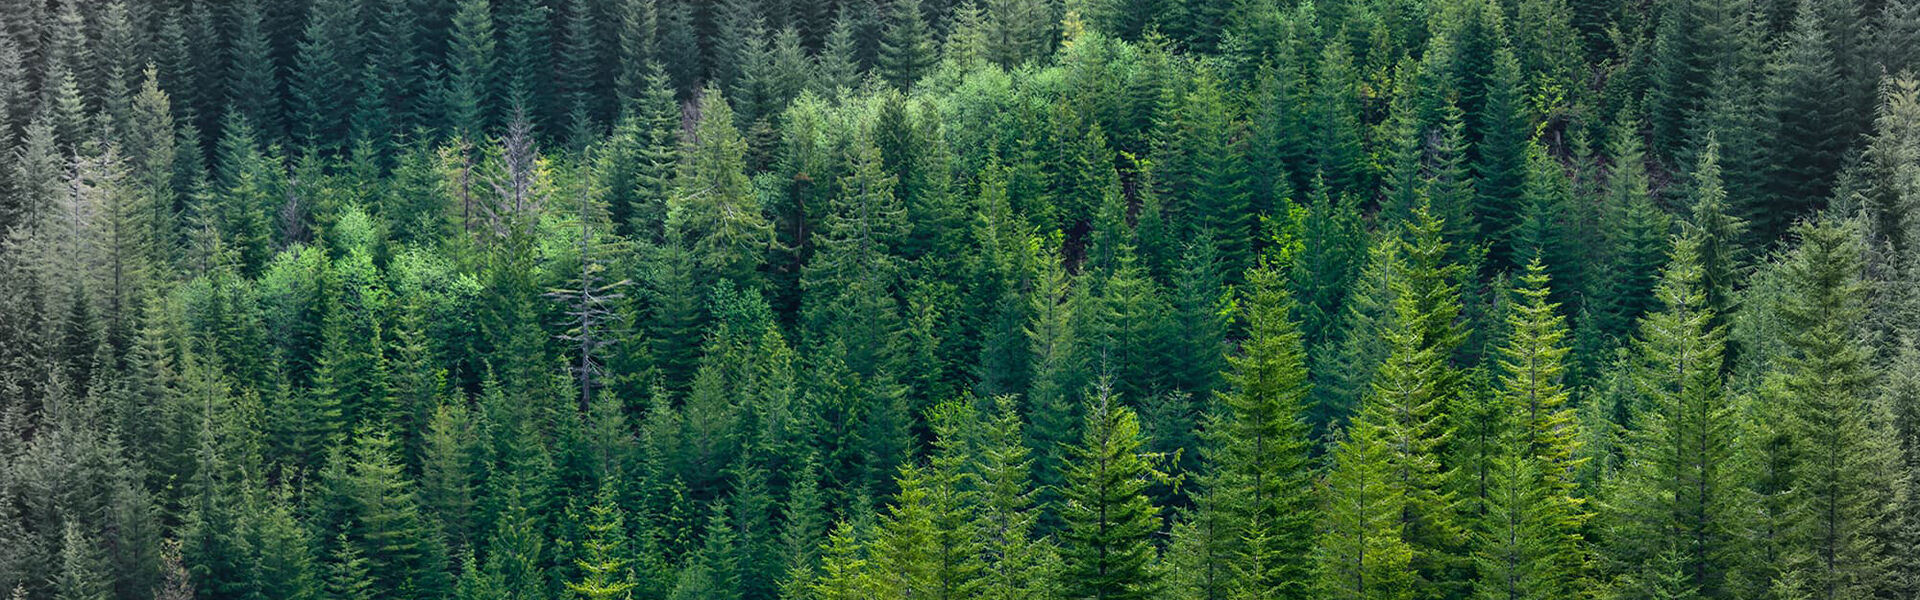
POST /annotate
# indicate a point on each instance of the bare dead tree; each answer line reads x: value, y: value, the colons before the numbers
x: 517, y: 197
x: 293, y: 213
x: 591, y: 303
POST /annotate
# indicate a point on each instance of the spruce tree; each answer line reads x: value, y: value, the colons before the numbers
x: 1106, y: 545
x: 1362, y: 550
x: 1530, y: 542
x: 1810, y: 136
x: 1339, y: 156
x: 1500, y: 167
x: 713, y: 209
x: 1404, y: 405
x: 1841, y: 476
x: 1017, y: 563
x: 1204, y: 173
x: 907, y: 47
x: 326, y: 65
x: 1680, y: 504
x: 604, y: 563
x: 253, y: 81
x: 1263, y: 446
x: 471, y: 65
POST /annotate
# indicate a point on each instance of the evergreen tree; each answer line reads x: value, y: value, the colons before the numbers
x: 1501, y: 165
x: 471, y: 65
x: 1018, y: 564
x: 1720, y: 232
x: 1529, y: 541
x: 1810, y: 135
x: 1339, y: 156
x: 253, y: 81
x: 1263, y: 456
x: 1106, y: 546
x: 1204, y: 173
x: 1679, y: 506
x: 1840, y: 477
x: 83, y: 573
x: 713, y: 209
x: 907, y: 48
x: 1403, y: 408
x: 321, y: 96
x: 604, y: 562
x: 368, y: 499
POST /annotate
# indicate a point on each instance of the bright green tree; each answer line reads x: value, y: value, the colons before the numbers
x: 604, y: 563
x: 1263, y: 446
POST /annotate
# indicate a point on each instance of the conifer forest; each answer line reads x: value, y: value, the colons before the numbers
x: 959, y: 299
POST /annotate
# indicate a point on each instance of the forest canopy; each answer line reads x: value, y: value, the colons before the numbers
x: 959, y: 299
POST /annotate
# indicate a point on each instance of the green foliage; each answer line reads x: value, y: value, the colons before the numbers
x: 756, y: 299
x: 1105, y: 546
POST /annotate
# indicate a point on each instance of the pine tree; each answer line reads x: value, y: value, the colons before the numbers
x: 1680, y: 503
x: 1343, y: 375
x: 321, y: 92
x: 1517, y: 551
x: 1019, y: 31
x: 1635, y: 231
x: 447, y: 470
x: 1339, y: 156
x: 246, y: 179
x: 1500, y: 166
x: 907, y: 48
x: 1693, y: 41
x: 471, y: 65
x: 635, y: 49
x: 1106, y: 546
x: 1530, y: 542
x: 352, y: 368
x: 253, y: 88
x: 580, y: 80
x: 347, y: 577
x: 679, y: 52
x: 1199, y: 321
x: 82, y: 571
x: 713, y: 209
x: 1018, y: 565
x: 1403, y: 407
x: 605, y: 568
x: 1841, y: 474
x: 517, y: 551
x: 367, y: 498
x: 1362, y: 549
x: 737, y: 31
x: 1805, y: 148
x: 1262, y: 461
x: 1204, y: 171
x: 1333, y: 249
x: 526, y: 60
x: 1720, y: 232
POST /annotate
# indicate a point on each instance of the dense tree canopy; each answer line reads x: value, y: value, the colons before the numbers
x: 957, y: 299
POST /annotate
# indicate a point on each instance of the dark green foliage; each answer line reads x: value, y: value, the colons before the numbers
x: 1204, y: 173
x: 1105, y: 547
x: 1805, y: 147
x: 907, y: 49
x: 956, y: 299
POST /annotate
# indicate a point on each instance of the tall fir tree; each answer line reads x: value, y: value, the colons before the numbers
x: 1841, y: 476
x: 1106, y: 546
x: 1680, y: 504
